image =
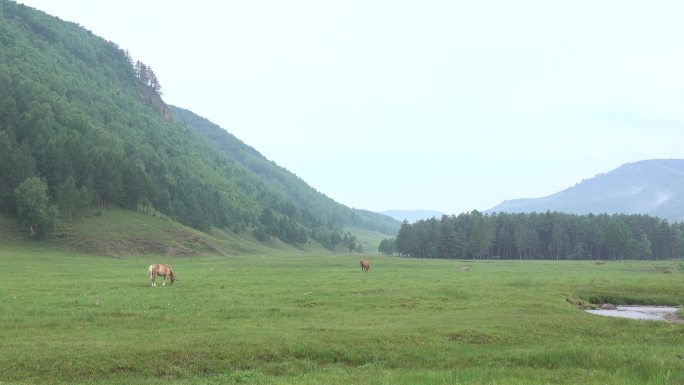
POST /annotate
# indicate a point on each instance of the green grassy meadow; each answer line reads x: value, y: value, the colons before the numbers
x: 71, y: 318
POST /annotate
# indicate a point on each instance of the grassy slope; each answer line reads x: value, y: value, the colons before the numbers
x: 370, y: 240
x: 319, y: 320
x: 118, y: 232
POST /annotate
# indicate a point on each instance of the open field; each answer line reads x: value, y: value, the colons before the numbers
x: 68, y: 318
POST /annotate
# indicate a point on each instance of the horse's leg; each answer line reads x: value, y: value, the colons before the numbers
x: 164, y: 283
x: 153, y: 278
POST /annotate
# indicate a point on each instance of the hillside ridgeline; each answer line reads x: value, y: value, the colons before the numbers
x: 652, y: 187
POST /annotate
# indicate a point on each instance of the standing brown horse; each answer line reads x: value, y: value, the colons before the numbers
x: 156, y: 269
x: 365, y: 265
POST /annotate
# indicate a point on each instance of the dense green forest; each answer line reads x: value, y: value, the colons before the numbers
x: 82, y: 126
x: 549, y: 235
x: 287, y: 183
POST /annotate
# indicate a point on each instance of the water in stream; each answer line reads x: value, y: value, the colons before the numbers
x: 658, y: 313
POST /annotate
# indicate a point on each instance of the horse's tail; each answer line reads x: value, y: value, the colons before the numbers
x: 149, y: 271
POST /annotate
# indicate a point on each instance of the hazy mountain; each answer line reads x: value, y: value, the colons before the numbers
x: 412, y: 215
x: 653, y: 187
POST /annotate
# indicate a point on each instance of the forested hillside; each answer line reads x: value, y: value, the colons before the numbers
x: 549, y: 235
x: 82, y: 126
x: 653, y: 187
x: 293, y: 187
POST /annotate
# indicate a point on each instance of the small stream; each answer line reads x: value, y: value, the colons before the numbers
x: 657, y: 313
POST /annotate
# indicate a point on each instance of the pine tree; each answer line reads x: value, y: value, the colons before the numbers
x: 154, y: 83
x: 147, y: 76
x: 143, y: 72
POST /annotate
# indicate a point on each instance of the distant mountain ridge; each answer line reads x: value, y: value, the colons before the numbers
x: 412, y: 215
x: 653, y: 187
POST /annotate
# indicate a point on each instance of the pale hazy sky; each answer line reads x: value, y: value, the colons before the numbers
x: 441, y: 105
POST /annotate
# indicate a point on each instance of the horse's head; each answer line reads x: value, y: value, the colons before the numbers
x: 172, y: 276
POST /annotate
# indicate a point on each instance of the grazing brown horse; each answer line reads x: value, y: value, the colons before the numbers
x: 156, y: 269
x: 365, y: 265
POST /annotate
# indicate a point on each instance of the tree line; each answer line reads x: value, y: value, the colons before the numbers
x: 549, y: 235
